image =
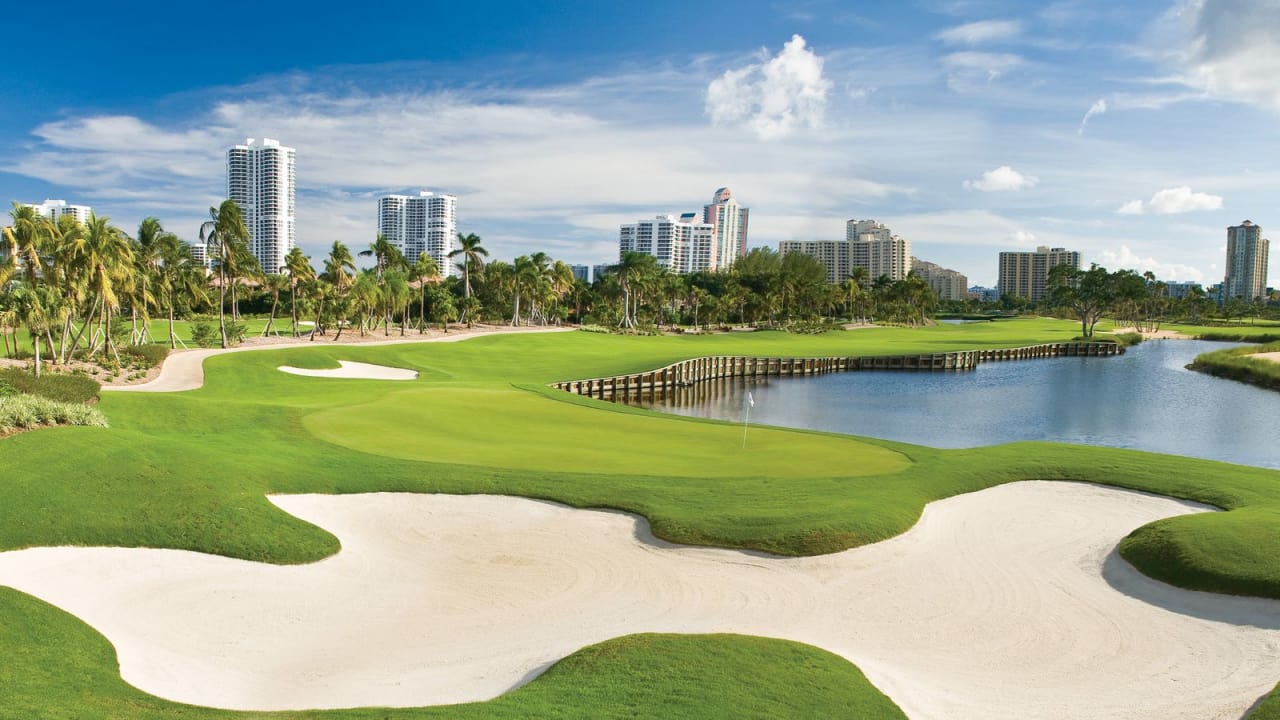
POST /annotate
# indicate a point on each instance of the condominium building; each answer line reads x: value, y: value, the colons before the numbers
x: 728, y: 220
x: 681, y: 245
x: 260, y: 179
x: 1176, y: 290
x: 581, y: 272
x: 946, y: 283
x: 876, y: 249
x: 1246, y: 262
x: 1026, y: 274
x: 54, y: 209
x: 199, y: 254
x: 867, y: 245
x: 833, y: 254
x: 426, y: 222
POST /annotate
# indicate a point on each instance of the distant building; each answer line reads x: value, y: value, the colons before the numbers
x: 426, y: 222
x: 260, y: 179
x: 984, y: 294
x: 680, y: 245
x: 1177, y: 290
x: 598, y: 271
x: 879, y: 251
x: 867, y: 245
x: 833, y: 254
x: 1025, y: 274
x: 581, y: 272
x: 54, y: 209
x: 1246, y: 262
x: 728, y: 221
x: 947, y: 284
x: 199, y: 254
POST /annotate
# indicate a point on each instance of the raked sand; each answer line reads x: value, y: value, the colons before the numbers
x: 354, y: 370
x: 1005, y: 603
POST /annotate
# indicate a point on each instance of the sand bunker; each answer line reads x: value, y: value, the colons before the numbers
x: 1272, y: 356
x: 1006, y: 603
x: 357, y: 370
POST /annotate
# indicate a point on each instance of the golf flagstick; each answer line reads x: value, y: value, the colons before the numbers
x: 751, y: 402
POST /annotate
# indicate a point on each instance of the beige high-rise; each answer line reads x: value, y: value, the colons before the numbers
x: 1246, y: 262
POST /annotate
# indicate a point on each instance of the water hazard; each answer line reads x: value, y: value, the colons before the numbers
x: 1145, y: 399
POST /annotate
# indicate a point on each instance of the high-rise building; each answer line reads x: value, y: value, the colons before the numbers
x: 426, y: 222
x: 199, y: 254
x: 1026, y: 274
x: 54, y: 209
x: 873, y: 247
x: 946, y: 283
x: 581, y: 272
x: 1246, y: 262
x: 681, y: 245
x: 260, y: 178
x: 833, y: 254
x: 867, y: 245
x: 729, y: 222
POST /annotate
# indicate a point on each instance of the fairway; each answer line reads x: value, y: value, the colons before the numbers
x: 460, y: 425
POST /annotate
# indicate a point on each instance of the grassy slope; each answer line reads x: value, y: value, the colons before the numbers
x: 161, y: 474
x: 1237, y: 364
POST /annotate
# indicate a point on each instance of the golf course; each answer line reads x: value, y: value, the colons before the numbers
x: 212, y: 472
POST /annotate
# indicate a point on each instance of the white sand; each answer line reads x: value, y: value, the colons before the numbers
x: 1272, y: 356
x: 1006, y: 603
x: 356, y: 370
x: 184, y: 369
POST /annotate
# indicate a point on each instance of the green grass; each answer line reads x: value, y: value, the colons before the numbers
x: 1240, y: 365
x: 191, y: 470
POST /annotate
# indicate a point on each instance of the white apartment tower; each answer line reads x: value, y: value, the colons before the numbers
x: 260, y: 178
x: 681, y: 245
x: 426, y: 222
x: 946, y: 283
x: 873, y: 247
x: 54, y: 209
x: 728, y: 220
x: 1247, y: 254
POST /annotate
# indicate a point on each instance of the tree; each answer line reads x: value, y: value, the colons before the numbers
x: 1088, y: 294
x: 178, y: 276
x: 339, y: 271
x: 425, y: 271
x: 226, y: 237
x: 273, y: 285
x: 472, y: 254
x: 107, y: 261
x: 298, y: 267
x: 631, y: 272
x: 36, y: 307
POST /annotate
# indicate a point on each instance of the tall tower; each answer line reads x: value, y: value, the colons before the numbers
x: 1246, y: 262
x: 426, y: 222
x: 729, y: 220
x: 260, y: 178
x: 874, y: 247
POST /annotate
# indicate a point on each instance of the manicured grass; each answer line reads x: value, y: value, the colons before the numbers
x: 1239, y: 364
x: 190, y: 470
x: 1247, y: 331
x: 57, y: 667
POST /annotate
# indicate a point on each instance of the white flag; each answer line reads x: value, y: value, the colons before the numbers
x: 751, y: 402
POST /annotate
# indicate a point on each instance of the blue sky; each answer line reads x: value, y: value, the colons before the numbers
x: 1133, y: 132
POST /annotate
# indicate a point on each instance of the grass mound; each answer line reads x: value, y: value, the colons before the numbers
x: 1237, y: 364
x: 63, y: 387
x: 58, y: 667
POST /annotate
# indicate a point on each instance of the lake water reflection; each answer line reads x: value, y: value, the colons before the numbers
x: 1145, y: 399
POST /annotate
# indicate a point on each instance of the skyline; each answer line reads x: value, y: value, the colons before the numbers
x: 1133, y: 134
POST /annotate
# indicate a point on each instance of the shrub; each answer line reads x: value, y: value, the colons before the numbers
x: 235, y: 333
x: 63, y: 387
x: 7, y: 388
x: 204, y: 334
x: 22, y: 412
x: 147, y: 356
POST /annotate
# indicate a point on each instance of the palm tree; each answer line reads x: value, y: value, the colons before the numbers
x: 632, y: 270
x: 178, y: 276
x: 339, y: 270
x: 225, y: 235
x: 147, y: 260
x: 395, y: 298
x: 472, y: 254
x: 298, y: 267
x: 107, y: 260
x: 382, y: 251
x: 274, y: 284
x: 25, y: 240
x: 424, y: 271
x: 36, y: 308
x: 366, y: 297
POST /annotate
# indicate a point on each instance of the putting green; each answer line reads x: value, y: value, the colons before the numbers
x: 457, y: 425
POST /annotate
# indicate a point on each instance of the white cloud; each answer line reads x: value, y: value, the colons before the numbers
x: 1001, y: 179
x: 966, y: 70
x: 1097, y: 108
x: 774, y: 97
x: 1126, y: 259
x: 1021, y: 237
x: 983, y: 31
x: 1229, y: 48
x: 1172, y: 201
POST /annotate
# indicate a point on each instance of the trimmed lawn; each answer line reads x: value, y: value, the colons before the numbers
x: 190, y: 470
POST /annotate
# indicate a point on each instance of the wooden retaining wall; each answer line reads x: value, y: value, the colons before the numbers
x: 690, y: 372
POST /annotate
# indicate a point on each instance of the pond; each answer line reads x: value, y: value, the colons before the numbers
x: 1145, y: 399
